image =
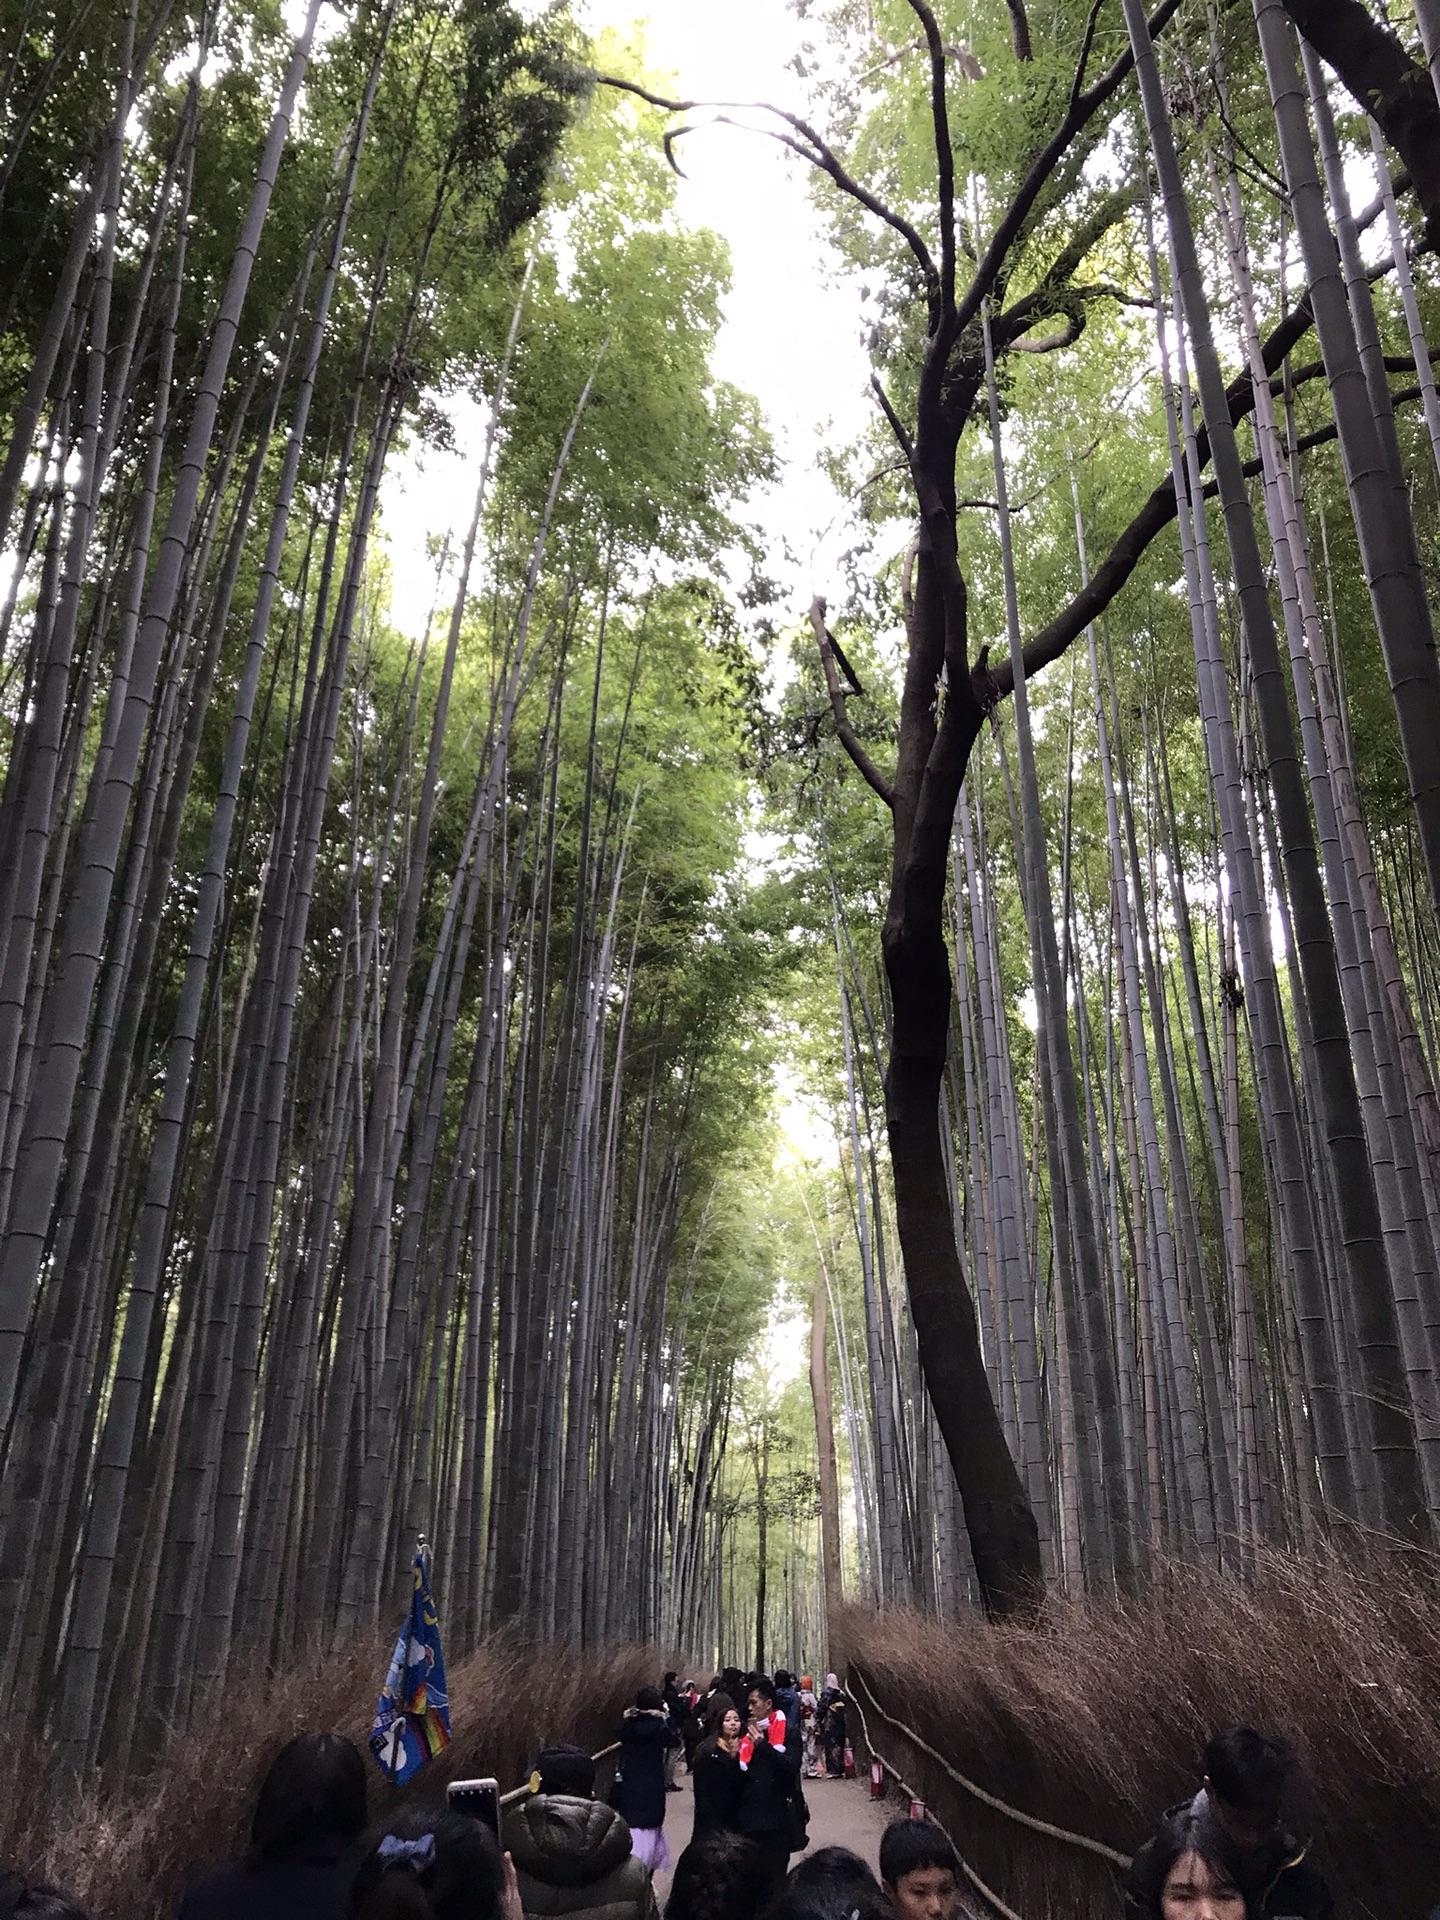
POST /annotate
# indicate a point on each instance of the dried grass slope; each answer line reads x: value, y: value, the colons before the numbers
x: 128, y: 1852
x: 1095, y: 1722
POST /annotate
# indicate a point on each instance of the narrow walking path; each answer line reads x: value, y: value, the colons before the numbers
x: 842, y: 1814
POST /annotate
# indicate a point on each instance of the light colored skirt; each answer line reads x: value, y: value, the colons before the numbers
x: 648, y: 1846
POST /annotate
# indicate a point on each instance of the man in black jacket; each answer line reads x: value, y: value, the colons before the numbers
x: 676, y: 1708
x: 769, y: 1780
x: 1246, y: 1775
x: 787, y: 1696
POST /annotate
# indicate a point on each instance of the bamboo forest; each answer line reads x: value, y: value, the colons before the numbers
x: 745, y: 1086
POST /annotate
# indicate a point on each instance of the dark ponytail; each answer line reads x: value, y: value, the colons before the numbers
x: 397, y: 1896
x: 428, y: 1865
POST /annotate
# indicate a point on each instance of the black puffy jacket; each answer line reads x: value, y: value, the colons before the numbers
x: 573, y: 1856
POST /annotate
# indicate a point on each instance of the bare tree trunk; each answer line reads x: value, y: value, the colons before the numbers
x: 825, y: 1454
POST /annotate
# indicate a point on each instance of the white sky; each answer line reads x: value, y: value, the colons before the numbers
x: 788, y: 337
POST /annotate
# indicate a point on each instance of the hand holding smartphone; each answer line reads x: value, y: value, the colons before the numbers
x: 479, y: 1798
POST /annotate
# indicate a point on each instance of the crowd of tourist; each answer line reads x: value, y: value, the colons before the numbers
x: 749, y: 1741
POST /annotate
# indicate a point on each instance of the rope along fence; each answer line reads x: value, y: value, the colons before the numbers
x: 987, y: 1894
x: 1112, y: 1854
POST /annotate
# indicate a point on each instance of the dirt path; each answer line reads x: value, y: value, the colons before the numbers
x: 842, y: 1814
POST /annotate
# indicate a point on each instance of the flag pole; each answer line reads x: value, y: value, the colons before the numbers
x: 417, y: 1650
x: 400, y: 1718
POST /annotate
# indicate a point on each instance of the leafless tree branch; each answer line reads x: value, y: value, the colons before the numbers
x: 1065, y: 335
x: 802, y: 140
x: 1018, y: 212
x: 1084, y: 60
x: 944, y: 156
x: 897, y: 425
x: 844, y: 731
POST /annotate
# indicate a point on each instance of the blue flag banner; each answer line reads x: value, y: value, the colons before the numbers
x: 412, y: 1717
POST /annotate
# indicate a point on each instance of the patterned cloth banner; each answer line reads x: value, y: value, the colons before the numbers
x: 412, y: 1717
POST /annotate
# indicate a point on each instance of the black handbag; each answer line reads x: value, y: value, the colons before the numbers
x: 799, y: 1821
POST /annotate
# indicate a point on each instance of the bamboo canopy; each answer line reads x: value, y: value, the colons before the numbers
x: 398, y: 989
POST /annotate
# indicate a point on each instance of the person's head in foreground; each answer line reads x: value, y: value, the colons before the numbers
x: 719, y: 1876
x: 426, y: 1864
x: 566, y: 1771
x: 920, y: 1871
x: 1191, y: 1872
x: 313, y: 1791
x: 1246, y: 1774
x: 837, y: 1865
x: 649, y: 1700
x: 22, y: 1899
x: 830, y: 1896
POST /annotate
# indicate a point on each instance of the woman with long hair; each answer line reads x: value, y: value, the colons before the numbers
x: 427, y: 1863
x: 715, y: 1770
x: 309, y: 1816
x: 1190, y: 1871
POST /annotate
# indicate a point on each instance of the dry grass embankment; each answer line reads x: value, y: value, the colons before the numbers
x: 1095, y: 1722
x: 128, y: 1855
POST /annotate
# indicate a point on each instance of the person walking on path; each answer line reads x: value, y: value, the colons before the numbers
x: 676, y: 1707
x: 572, y: 1853
x: 769, y: 1756
x: 715, y: 1771
x: 304, y: 1849
x: 834, y: 1866
x: 787, y: 1696
x: 692, y: 1721
x: 833, y: 1727
x: 809, y: 1730
x: 646, y: 1737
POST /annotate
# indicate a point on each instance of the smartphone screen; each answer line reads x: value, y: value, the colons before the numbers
x: 479, y: 1798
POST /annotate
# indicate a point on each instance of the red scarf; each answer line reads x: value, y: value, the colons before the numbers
x: 773, y: 1727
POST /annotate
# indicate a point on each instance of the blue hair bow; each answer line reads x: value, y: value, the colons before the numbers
x: 417, y: 1855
